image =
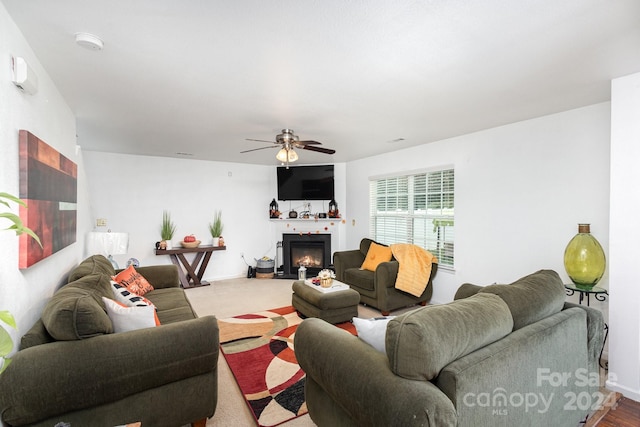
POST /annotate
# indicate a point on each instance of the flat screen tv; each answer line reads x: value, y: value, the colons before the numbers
x: 306, y: 182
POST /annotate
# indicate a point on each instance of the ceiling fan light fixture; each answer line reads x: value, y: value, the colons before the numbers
x: 282, y: 155
x: 287, y: 156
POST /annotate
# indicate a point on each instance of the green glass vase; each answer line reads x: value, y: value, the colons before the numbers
x: 584, y: 258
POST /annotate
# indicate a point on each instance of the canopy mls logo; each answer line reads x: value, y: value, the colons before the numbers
x: 500, y: 401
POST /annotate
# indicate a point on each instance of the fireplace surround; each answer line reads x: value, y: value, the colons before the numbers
x: 311, y: 250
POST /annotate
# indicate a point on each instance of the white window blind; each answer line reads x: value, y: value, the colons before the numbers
x: 416, y: 209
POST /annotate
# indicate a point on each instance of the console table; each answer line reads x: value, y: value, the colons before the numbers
x: 191, y: 274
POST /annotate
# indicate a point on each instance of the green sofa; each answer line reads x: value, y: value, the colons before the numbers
x: 501, y: 355
x: 377, y: 288
x: 90, y: 376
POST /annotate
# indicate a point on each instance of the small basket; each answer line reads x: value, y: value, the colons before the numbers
x: 190, y: 244
x: 326, y: 282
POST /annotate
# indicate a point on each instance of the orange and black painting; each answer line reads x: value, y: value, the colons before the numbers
x: 48, y: 185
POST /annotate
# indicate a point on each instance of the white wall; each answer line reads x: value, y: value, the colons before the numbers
x: 624, y: 318
x: 131, y: 192
x: 521, y: 190
x: 46, y: 115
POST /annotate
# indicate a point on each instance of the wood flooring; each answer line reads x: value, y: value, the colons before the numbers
x: 623, y: 413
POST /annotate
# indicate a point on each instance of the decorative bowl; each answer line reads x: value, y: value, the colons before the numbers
x: 326, y: 282
x: 190, y: 244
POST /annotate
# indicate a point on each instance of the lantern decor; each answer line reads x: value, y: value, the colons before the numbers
x: 584, y: 258
x: 333, y: 209
x: 273, y: 209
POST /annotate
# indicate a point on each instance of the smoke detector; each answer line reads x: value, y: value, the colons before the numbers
x: 89, y: 41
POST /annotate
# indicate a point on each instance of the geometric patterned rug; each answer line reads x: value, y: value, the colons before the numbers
x: 258, y: 348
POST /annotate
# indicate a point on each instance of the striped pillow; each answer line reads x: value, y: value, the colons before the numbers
x: 128, y: 298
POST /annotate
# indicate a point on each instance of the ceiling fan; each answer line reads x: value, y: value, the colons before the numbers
x: 287, y: 141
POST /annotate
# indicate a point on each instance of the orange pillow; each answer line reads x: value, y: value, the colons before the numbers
x: 133, y: 281
x: 376, y: 255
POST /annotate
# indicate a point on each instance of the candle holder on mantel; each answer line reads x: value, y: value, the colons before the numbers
x: 273, y: 209
x: 333, y: 209
x: 584, y: 258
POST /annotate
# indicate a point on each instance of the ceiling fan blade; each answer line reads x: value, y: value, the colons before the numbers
x: 318, y: 149
x: 308, y: 143
x: 256, y: 149
x: 262, y: 140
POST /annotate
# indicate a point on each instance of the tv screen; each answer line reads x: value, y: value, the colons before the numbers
x: 305, y: 182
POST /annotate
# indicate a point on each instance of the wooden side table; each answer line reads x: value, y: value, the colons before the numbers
x: 599, y: 294
x: 191, y: 272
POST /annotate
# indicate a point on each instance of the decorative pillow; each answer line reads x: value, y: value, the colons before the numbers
x: 129, y: 299
x: 129, y: 318
x: 75, y: 311
x: 372, y: 331
x: 376, y: 255
x: 132, y: 280
x: 422, y: 342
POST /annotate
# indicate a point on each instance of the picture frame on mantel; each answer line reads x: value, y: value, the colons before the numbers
x: 48, y: 186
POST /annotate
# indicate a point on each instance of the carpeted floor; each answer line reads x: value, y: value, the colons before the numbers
x: 228, y: 298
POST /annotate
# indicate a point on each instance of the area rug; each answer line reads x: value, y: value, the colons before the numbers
x: 258, y: 348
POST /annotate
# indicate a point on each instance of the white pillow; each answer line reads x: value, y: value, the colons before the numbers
x: 373, y: 331
x: 129, y: 318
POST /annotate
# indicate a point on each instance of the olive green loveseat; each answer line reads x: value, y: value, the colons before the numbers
x: 502, y: 355
x: 162, y: 376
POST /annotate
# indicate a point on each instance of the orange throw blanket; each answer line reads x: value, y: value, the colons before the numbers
x: 414, y: 269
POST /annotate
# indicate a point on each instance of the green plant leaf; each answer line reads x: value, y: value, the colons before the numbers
x: 18, y: 226
x: 17, y: 222
x: 6, y: 343
x: 5, y: 364
x: 32, y: 234
x: 168, y: 228
x: 11, y: 198
x: 8, y: 318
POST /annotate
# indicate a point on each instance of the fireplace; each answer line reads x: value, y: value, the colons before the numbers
x: 311, y: 250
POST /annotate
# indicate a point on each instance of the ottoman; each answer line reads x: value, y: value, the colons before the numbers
x: 333, y: 307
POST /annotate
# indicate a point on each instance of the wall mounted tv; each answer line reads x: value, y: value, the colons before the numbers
x: 306, y: 182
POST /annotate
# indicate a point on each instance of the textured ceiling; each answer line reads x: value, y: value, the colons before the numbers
x: 200, y: 77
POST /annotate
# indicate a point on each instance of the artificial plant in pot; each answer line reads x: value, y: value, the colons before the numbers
x: 167, y: 230
x: 216, y: 227
x: 6, y: 318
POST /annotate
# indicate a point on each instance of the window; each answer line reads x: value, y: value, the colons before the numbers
x: 416, y: 209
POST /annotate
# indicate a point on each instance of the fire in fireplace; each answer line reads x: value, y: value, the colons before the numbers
x: 311, y: 250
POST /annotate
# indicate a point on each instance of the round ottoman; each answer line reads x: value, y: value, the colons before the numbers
x: 333, y: 307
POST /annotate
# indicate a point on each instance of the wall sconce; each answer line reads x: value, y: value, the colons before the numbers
x: 107, y: 244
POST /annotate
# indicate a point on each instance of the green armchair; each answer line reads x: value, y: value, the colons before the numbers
x: 376, y: 288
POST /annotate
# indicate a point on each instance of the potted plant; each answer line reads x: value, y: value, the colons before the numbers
x: 167, y: 230
x: 216, y: 227
x: 6, y: 343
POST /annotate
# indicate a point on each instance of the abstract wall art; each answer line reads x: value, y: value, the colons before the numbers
x: 48, y: 185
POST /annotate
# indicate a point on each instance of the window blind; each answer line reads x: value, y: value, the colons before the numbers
x: 417, y: 209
